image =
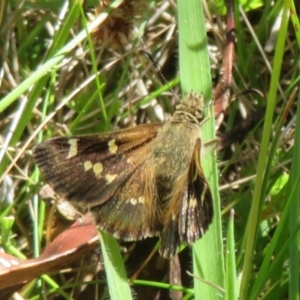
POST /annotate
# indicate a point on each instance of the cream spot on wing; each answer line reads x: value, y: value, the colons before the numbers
x: 87, y: 165
x: 73, y: 148
x: 97, y: 168
x: 193, y: 203
x: 184, y: 205
x: 133, y: 201
x: 173, y: 217
x: 205, y: 187
x: 141, y: 200
x: 201, y: 231
x: 112, y: 146
x: 110, y: 177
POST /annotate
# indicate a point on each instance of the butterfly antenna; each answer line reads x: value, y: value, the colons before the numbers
x: 159, y: 71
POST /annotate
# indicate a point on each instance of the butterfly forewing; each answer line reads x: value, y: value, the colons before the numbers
x: 83, y: 168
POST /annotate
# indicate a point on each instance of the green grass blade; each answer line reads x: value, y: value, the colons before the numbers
x: 53, y: 61
x: 294, y: 282
x: 254, y: 216
x: 231, y: 279
x: 118, y: 285
x: 194, y: 65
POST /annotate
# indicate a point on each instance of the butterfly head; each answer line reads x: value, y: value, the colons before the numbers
x: 190, y: 109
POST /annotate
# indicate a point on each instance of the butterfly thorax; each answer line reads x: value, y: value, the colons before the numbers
x: 190, y: 110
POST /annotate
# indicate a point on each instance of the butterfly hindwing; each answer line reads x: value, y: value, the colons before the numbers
x: 191, y: 206
x: 197, y: 205
x: 130, y: 214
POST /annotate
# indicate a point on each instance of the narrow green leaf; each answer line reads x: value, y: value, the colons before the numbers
x: 195, y: 75
x: 118, y: 284
x: 231, y: 279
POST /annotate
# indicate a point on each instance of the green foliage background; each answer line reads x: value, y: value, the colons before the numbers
x: 57, y: 80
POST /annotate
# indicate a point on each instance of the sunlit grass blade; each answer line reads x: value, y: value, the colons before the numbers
x: 117, y: 281
x: 195, y: 75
